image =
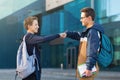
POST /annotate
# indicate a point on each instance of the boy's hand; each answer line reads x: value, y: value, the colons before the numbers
x: 63, y: 35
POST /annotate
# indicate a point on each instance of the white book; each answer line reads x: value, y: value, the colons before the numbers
x: 82, y: 68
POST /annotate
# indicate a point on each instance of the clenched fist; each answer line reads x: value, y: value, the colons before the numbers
x: 63, y: 35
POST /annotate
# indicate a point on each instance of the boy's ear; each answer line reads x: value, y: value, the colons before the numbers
x: 90, y: 17
x: 29, y: 26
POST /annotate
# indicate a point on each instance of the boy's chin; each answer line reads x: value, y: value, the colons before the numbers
x: 36, y: 32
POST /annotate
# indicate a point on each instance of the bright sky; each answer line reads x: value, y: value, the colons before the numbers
x: 8, y: 7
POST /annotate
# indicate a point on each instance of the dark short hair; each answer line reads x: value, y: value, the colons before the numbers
x: 29, y: 21
x: 89, y: 12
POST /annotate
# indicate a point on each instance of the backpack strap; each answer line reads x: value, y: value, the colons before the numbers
x: 100, y: 42
x: 16, y: 76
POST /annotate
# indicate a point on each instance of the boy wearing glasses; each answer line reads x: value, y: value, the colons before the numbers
x: 89, y: 43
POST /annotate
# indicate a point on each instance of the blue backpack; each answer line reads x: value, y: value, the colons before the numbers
x: 25, y: 62
x: 105, y: 53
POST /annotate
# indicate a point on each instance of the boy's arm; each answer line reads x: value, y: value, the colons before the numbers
x: 41, y: 39
x: 73, y: 35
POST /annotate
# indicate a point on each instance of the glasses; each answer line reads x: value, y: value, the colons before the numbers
x: 83, y: 17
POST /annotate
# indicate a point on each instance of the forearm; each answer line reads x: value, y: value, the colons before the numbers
x: 92, y: 49
x: 73, y: 35
x: 40, y: 39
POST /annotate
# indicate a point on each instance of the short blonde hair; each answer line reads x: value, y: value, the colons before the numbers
x: 29, y: 21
